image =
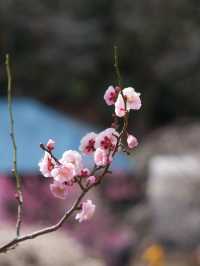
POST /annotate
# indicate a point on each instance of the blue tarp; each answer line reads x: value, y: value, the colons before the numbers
x: 35, y: 123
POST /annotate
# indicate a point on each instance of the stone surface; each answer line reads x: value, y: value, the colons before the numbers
x: 173, y: 190
x: 50, y: 250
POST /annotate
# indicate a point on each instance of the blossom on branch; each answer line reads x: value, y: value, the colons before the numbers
x: 64, y: 172
x: 85, y: 172
x: 120, y: 109
x: 102, y: 157
x: 50, y: 144
x: 87, y: 144
x: 69, y: 171
x: 132, y: 141
x: 87, y: 211
x: 46, y: 165
x: 128, y: 99
x: 107, y: 139
x: 73, y: 157
x: 110, y: 95
x: 91, y: 180
x: 59, y: 189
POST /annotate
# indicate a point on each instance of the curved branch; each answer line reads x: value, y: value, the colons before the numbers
x: 12, y: 243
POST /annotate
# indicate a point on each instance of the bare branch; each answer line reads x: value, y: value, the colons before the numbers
x: 14, y: 242
x: 19, y: 195
x: 116, y: 65
x: 11, y: 244
x: 119, y: 79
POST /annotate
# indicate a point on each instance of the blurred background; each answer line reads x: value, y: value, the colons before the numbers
x: 62, y: 62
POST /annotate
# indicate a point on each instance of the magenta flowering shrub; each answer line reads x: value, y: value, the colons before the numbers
x: 69, y: 170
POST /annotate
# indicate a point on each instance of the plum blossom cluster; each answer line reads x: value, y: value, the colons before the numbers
x: 69, y: 170
x: 102, y: 147
x: 124, y: 100
x: 66, y: 172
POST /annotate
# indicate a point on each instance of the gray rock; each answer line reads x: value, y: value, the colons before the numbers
x: 173, y: 190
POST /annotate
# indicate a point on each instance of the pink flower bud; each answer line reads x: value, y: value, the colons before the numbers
x: 87, y: 211
x: 50, y: 144
x: 85, y: 172
x: 117, y: 89
x: 132, y: 141
x: 91, y: 180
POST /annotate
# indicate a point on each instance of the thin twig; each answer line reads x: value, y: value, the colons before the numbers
x: 19, y: 195
x: 12, y: 243
x: 42, y: 146
x: 119, y: 80
x: 116, y: 65
x: 45, y: 230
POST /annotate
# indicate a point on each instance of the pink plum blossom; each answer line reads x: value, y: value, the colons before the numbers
x: 91, y: 180
x: 87, y: 143
x: 69, y: 170
x: 73, y: 157
x: 50, y: 144
x: 107, y: 139
x: 133, y: 101
x: 64, y: 173
x: 85, y: 172
x: 132, y: 98
x: 87, y: 211
x: 46, y: 165
x: 101, y: 157
x: 132, y: 141
x: 110, y: 95
x: 120, y: 110
x: 59, y: 189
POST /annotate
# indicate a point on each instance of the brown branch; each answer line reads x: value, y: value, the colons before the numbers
x: 19, y: 195
x: 14, y: 242
x: 119, y: 80
x: 116, y: 66
x: 11, y: 244
x: 42, y: 146
x: 79, y: 181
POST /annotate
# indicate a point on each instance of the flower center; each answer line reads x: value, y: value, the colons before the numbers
x: 113, y: 96
x: 106, y: 143
x: 90, y: 146
x: 50, y: 165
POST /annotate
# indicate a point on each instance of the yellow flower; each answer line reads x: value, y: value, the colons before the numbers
x: 154, y: 255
